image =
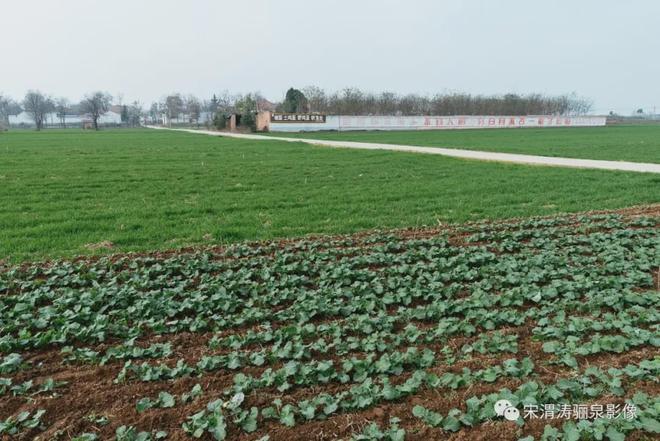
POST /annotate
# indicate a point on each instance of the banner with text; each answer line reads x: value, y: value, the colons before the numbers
x: 348, y: 122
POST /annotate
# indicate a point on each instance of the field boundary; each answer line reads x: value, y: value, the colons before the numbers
x: 640, y: 167
x: 652, y: 210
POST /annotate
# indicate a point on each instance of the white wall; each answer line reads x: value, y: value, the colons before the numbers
x: 331, y: 123
x: 21, y: 118
x: 110, y: 117
x: 52, y: 119
x: 342, y: 122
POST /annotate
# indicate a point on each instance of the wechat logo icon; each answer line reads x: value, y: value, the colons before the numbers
x: 505, y: 408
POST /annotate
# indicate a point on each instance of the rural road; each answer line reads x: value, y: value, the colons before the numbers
x: 642, y: 167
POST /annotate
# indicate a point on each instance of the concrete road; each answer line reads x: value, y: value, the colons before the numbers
x: 641, y: 167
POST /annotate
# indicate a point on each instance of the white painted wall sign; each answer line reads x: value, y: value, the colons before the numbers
x: 345, y: 122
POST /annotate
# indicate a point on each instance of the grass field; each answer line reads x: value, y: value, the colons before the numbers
x: 387, y: 337
x: 145, y: 190
x: 617, y: 143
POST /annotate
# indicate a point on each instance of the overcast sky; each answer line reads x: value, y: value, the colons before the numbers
x: 143, y: 49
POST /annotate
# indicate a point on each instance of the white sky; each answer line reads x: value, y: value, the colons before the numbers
x: 607, y: 50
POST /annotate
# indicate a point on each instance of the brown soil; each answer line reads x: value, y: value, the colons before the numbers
x: 90, y: 391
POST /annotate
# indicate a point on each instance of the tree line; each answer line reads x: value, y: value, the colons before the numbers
x: 189, y: 109
x: 354, y: 101
x: 39, y: 105
x: 216, y: 109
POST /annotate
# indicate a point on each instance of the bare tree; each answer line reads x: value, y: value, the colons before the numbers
x: 4, y: 112
x: 387, y: 103
x: 155, y: 113
x: 135, y: 114
x: 316, y: 98
x: 226, y: 103
x: 193, y: 108
x: 37, y: 105
x: 62, y: 107
x: 8, y: 107
x: 95, y: 105
x: 173, y: 107
x: 353, y: 101
x: 211, y: 105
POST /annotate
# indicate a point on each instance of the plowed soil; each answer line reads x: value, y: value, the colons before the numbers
x: 613, y: 249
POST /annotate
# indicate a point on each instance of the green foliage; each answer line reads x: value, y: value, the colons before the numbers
x: 246, y: 107
x: 211, y: 420
x: 373, y: 432
x: 295, y: 102
x: 25, y: 420
x: 194, y: 393
x: 431, y: 418
x: 249, y: 120
x: 130, y: 433
x: 124, y: 114
x: 14, y: 361
x: 28, y: 387
x: 163, y: 401
x: 220, y: 121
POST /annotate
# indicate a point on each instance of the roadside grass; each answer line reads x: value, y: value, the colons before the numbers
x: 635, y: 143
x: 61, y: 191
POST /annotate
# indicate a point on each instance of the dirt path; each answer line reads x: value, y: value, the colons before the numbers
x: 455, y: 153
